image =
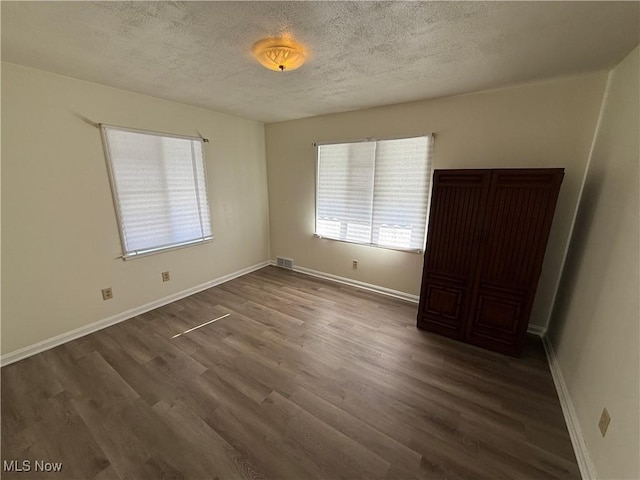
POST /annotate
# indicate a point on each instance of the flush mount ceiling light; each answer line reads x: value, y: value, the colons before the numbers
x: 279, y: 53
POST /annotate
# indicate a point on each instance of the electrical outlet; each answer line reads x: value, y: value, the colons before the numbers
x: 605, y: 419
x: 107, y: 294
x: 165, y: 276
x: 354, y: 264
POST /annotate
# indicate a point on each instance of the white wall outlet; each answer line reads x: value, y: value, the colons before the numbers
x: 165, y: 276
x: 107, y: 294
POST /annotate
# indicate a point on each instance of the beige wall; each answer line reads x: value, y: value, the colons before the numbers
x: 595, y: 328
x: 59, y: 233
x: 549, y: 124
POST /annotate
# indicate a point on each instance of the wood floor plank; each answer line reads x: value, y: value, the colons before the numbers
x: 406, y: 460
x: 302, y: 379
x: 108, y: 473
x: 258, y: 437
x: 335, y: 454
x: 222, y: 460
x: 33, y: 381
x: 82, y: 455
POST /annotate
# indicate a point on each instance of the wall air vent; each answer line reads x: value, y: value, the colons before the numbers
x: 284, y: 262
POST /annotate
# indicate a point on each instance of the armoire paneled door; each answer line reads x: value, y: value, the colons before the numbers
x: 486, y: 240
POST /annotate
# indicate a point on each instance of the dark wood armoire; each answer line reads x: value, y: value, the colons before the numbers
x: 486, y: 240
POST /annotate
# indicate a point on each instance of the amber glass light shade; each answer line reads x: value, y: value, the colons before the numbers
x: 279, y: 53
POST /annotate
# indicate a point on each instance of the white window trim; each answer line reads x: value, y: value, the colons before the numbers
x: 114, y: 193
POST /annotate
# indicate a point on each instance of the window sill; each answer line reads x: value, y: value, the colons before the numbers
x: 385, y: 247
x: 154, y: 251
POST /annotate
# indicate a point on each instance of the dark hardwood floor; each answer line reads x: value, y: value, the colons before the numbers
x: 304, y: 379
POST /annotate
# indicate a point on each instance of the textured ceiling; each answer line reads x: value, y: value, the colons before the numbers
x: 363, y: 54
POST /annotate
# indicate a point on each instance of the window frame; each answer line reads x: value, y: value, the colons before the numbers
x: 116, y: 198
x: 431, y: 139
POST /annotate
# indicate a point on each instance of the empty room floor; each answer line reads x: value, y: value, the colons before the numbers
x: 301, y: 379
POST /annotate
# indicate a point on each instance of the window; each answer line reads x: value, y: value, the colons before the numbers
x: 374, y: 192
x: 159, y: 189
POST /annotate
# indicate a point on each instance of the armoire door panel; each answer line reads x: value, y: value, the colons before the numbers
x: 456, y: 215
x: 499, y: 315
x: 498, y: 312
x: 443, y: 303
x: 516, y: 226
x: 514, y: 229
x: 497, y: 321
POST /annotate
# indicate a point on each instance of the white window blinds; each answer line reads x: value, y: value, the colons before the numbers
x: 159, y: 189
x: 375, y: 193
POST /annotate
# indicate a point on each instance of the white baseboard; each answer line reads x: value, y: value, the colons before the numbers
x: 537, y: 330
x: 120, y: 317
x: 533, y: 329
x: 356, y: 283
x: 587, y: 469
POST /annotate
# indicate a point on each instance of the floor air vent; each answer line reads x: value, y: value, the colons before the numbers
x: 284, y: 262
